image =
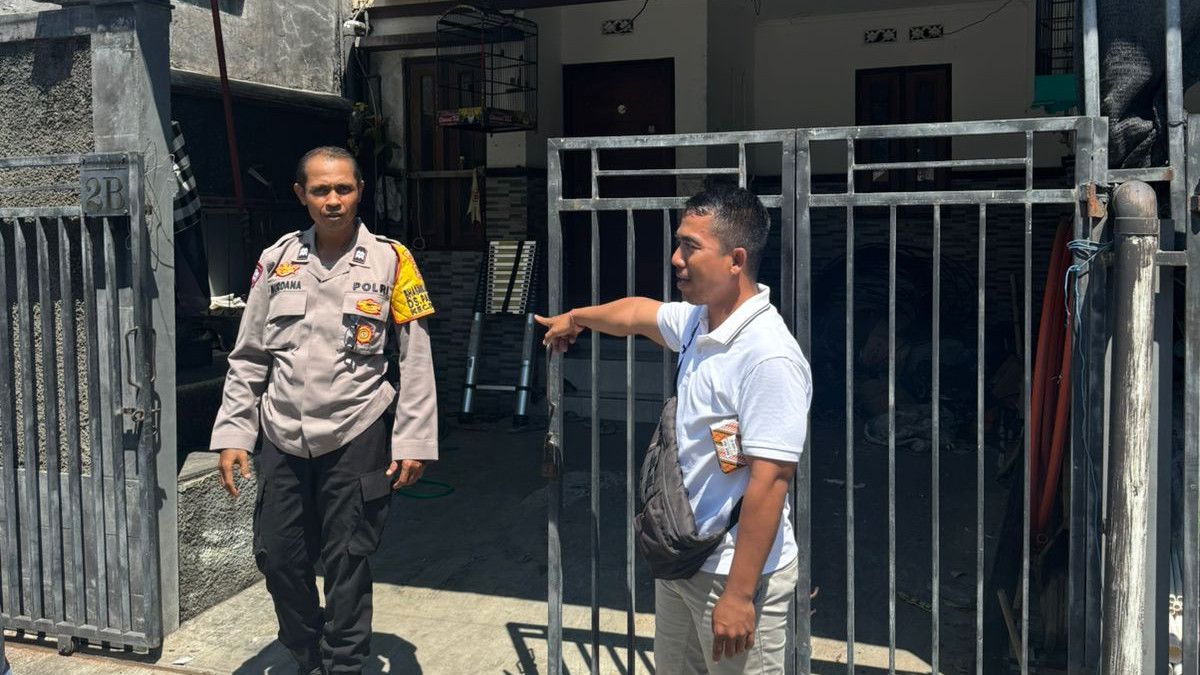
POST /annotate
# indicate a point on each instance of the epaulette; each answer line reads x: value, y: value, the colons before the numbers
x: 283, y: 240
x: 388, y: 240
x: 267, y: 255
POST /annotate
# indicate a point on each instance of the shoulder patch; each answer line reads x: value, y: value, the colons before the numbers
x: 410, y: 299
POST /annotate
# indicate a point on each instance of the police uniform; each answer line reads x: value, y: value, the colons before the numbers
x: 309, y: 362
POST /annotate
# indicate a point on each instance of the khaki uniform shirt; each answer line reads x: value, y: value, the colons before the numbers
x: 309, y: 351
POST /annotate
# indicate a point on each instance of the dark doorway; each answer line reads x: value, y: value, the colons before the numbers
x: 904, y: 95
x: 620, y: 98
x: 444, y: 164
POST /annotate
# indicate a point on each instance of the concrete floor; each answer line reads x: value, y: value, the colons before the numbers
x: 461, y: 580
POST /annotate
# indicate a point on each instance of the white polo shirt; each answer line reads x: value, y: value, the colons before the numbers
x: 750, y: 369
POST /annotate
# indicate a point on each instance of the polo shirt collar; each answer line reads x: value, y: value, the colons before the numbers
x: 743, y: 315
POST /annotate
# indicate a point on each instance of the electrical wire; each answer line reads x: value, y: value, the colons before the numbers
x: 635, y: 16
x: 979, y: 21
x: 1087, y: 250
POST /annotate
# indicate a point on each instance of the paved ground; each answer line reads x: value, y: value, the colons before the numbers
x: 461, y: 582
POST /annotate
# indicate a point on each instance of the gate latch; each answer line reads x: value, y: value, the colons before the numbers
x: 1096, y: 207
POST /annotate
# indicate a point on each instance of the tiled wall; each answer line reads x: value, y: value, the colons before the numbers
x: 451, y: 277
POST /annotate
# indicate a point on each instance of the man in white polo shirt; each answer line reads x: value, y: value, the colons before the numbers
x: 742, y: 379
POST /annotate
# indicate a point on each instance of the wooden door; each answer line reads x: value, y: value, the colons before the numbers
x: 904, y: 95
x: 625, y: 98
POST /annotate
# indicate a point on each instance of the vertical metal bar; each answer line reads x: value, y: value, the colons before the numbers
x: 630, y: 469
x: 74, y: 459
x: 802, y: 264
x: 1091, y: 60
x: 595, y: 175
x: 667, y: 355
x: 850, y: 432
x: 50, y: 424
x: 1175, y: 114
x: 143, y: 369
x: 1026, y: 403
x: 31, y: 512
x: 795, y: 301
x: 554, y: 383
x: 981, y: 306
x: 8, y: 462
x: 849, y: 166
x: 96, y: 401
x: 742, y: 166
x: 935, y: 408
x: 851, y: 638
x: 116, y: 429
x: 595, y: 417
x: 1191, y: 457
x: 1088, y: 416
x: 892, y: 440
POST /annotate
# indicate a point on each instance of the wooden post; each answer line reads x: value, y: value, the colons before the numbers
x: 1129, y: 502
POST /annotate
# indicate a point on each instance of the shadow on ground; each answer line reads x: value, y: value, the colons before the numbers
x: 389, y: 654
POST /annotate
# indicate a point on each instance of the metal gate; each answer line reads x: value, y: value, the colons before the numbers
x: 79, y: 496
x: 973, y: 212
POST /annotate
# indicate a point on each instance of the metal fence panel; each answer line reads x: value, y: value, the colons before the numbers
x: 794, y: 309
x: 800, y: 201
x: 77, y: 432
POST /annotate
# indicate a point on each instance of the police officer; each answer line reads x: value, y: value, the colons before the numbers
x: 309, y: 362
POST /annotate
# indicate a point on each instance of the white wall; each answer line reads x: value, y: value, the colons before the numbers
x: 676, y: 29
x: 805, y: 71
x: 550, y: 62
x: 731, y: 54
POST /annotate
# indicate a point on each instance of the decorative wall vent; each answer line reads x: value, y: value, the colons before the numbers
x: 876, y: 36
x: 930, y: 32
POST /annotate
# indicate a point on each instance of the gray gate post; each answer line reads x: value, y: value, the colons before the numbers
x: 1129, y: 503
x: 131, y: 111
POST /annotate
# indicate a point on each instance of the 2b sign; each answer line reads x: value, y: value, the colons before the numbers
x: 104, y: 187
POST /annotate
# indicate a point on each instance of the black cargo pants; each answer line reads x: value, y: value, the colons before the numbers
x: 335, y: 507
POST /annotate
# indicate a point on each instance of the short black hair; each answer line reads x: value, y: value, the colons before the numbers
x: 330, y: 152
x: 739, y: 220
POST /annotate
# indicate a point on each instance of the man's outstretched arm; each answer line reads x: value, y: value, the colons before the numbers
x: 627, y: 316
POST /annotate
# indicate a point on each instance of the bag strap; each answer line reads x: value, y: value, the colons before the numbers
x: 683, y: 350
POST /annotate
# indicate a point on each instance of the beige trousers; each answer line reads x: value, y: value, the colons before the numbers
x: 683, y: 625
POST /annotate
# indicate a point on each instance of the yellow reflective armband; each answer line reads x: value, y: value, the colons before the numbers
x: 410, y: 299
